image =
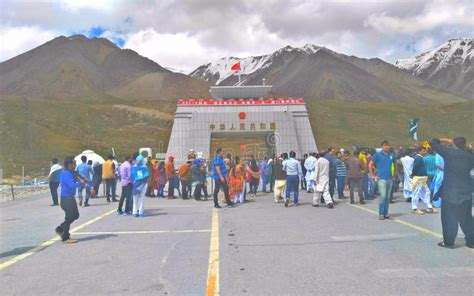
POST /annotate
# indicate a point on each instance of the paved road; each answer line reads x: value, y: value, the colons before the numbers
x: 263, y: 249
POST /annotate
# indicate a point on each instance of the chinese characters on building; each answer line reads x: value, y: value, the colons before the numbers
x: 242, y: 126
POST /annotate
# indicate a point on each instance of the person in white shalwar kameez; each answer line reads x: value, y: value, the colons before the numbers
x: 321, y: 181
x: 310, y: 165
x: 407, y: 163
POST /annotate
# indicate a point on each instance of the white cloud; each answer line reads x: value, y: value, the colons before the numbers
x: 434, y: 15
x: 179, y: 51
x: 74, y: 5
x: 16, y: 40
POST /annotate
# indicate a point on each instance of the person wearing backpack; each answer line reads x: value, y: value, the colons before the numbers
x: 140, y: 176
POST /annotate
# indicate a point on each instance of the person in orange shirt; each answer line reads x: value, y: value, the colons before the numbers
x: 170, y: 173
x: 185, y: 176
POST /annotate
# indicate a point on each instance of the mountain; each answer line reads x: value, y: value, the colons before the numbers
x: 317, y: 72
x: 448, y: 67
x: 77, y: 66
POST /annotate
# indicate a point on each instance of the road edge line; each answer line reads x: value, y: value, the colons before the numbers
x: 213, y: 268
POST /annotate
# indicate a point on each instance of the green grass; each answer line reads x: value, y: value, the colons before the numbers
x: 61, y: 128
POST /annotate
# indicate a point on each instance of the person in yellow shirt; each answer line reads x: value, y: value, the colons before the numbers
x: 108, y: 174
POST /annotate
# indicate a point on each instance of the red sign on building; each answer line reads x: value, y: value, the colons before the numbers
x: 287, y: 101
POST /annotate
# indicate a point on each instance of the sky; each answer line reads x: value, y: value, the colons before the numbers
x: 184, y: 34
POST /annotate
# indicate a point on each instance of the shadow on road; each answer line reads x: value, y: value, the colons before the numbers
x: 15, y: 251
x: 96, y: 237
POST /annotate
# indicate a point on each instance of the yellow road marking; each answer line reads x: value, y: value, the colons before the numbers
x: 143, y: 232
x: 48, y: 243
x: 421, y: 229
x: 213, y: 269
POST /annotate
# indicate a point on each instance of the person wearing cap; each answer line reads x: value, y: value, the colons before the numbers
x: 69, y: 184
x: 220, y: 176
x: 170, y: 174
x: 140, y: 177
x: 456, y: 207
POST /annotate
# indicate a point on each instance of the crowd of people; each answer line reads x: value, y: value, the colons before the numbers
x: 426, y: 174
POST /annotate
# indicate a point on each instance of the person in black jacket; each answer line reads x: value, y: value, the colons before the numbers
x: 456, y: 206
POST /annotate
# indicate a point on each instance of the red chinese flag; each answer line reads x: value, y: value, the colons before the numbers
x: 235, y: 66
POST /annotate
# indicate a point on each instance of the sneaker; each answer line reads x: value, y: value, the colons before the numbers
x: 86, y: 204
x: 381, y: 217
x: 217, y: 207
x: 124, y: 213
x: 119, y: 212
x: 387, y: 217
x: 287, y: 201
x: 431, y: 211
x: 70, y: 241
x: 362, y: 202
x: 331, y: 206
x: 418, y: 212
x: 108, y: 199
x: 296, y: 204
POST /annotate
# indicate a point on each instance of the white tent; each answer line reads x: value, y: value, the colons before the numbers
x: 91, y: 155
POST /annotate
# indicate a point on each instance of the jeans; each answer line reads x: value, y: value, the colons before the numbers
x: 264, y: 183
x: 79, y: 193
x: 110, y: 186
x: 365, y: 184
x: 53, y: 188
x: 161, y: 189
x: 385, y: 188
x: 370, y: 188
x: 341, y: 182
x: 126, y: 196
x: 69, y: 207
x: 225, y: 188
x: 292, y: 184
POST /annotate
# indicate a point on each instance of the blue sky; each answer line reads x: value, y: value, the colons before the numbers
x: 186, y: 34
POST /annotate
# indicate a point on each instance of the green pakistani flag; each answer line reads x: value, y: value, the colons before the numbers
x: 414, y: 128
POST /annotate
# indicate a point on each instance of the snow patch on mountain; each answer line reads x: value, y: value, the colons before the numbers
x: 454, y: 51
x: 222, y: 67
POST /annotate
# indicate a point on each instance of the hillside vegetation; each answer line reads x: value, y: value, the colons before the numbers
x: 35, y: 130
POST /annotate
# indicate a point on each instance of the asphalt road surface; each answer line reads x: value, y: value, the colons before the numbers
x: 185, y: 247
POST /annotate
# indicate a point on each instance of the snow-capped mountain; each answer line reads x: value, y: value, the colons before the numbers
x: 449, y: 67
x: 219, y: 71
x: 315, y: 72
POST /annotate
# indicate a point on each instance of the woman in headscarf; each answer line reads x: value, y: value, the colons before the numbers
x: 254, y: 177
x: 237, y: 180
x: 161, y: 181
x: 140, y: 176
